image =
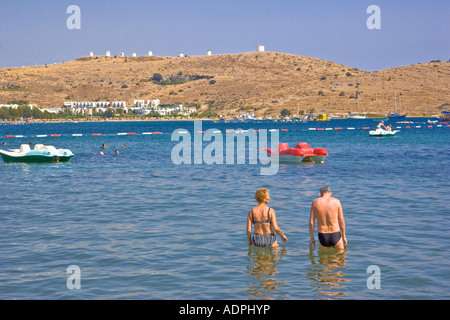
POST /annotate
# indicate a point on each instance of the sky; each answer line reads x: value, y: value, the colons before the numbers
x: 411, y: 31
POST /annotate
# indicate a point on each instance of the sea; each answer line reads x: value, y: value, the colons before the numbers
x: 139, y: 225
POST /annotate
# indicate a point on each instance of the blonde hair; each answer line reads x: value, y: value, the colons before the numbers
x: 261, y: 194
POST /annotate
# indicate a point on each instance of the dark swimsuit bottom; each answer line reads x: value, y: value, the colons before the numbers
x: 263, y: 240
x: 329, y: 239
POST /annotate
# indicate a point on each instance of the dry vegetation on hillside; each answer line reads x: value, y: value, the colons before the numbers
x: 264, y: 82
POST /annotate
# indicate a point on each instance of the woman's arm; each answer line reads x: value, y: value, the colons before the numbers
x: 249, y: 228
x: 275, y: 227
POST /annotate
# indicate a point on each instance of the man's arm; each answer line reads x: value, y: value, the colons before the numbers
x: 341, y: 222
x: 312, y: 219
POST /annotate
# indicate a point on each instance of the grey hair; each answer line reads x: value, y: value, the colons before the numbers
x: 324, y: 190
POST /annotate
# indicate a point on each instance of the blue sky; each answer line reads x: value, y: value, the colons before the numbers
x: 35, y: 32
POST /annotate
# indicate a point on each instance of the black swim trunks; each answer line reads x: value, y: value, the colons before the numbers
x: 329, y: 239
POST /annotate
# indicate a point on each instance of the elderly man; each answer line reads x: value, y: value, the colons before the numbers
x: 330, y: 221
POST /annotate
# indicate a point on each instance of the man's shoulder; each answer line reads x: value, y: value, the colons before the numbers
x: 336, y: 200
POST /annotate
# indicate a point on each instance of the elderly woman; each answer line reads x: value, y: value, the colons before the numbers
x: 265, y: 222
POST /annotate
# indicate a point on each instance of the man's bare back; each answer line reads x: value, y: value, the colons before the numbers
x: 330, y: 221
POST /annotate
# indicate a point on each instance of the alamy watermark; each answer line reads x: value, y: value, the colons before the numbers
x: 74, y: 280
x: 213, y: 153
x: 74, y: 20
x: 374, y: 280
x: 374, y: 21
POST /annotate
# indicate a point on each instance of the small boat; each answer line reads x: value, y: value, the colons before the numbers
x: 445, y: 116
x: 322, y: 117
x: 395, y: 115
x: 40, y: 153
x: 356, y: 115
x: 382, y: 133
x: 301, y: 153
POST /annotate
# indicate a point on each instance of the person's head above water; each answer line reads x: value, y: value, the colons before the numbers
x: 261, y: 194
x: 324, y: 190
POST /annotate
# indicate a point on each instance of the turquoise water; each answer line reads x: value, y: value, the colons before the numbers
x: 140, y: 227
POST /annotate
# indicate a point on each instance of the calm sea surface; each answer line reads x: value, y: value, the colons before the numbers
x: 140, y: 227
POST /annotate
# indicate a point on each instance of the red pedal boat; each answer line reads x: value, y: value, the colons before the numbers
x: 301, y: 153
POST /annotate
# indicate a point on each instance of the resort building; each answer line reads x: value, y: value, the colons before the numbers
x: 15, y: 106
x: 140, y: 107
x: 247, y: 116
x: 147, y: 103
x: 52, y: 110
x: 86, y: 107
x: 95, y: 104
x: 145, y: 107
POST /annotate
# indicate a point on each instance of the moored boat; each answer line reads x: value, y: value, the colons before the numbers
x: 356, y: 115
x: 445, y: 116
x: 40, y: 153
x: 395, y: 115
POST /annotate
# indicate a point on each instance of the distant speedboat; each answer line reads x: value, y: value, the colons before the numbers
x: 40, y: 153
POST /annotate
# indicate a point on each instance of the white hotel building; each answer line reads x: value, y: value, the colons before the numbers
x: 140, y: 107
x: 86, y: 107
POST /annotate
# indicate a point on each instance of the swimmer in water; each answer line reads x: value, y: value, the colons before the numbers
x: 330, y: 222
x: 265, y: 222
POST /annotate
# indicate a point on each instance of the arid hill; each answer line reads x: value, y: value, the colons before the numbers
x: 263, y: 82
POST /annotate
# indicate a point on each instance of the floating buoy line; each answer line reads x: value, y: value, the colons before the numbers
x: 184, y: 131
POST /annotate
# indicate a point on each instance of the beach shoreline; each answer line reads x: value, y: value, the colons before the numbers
x: 184, y: 119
